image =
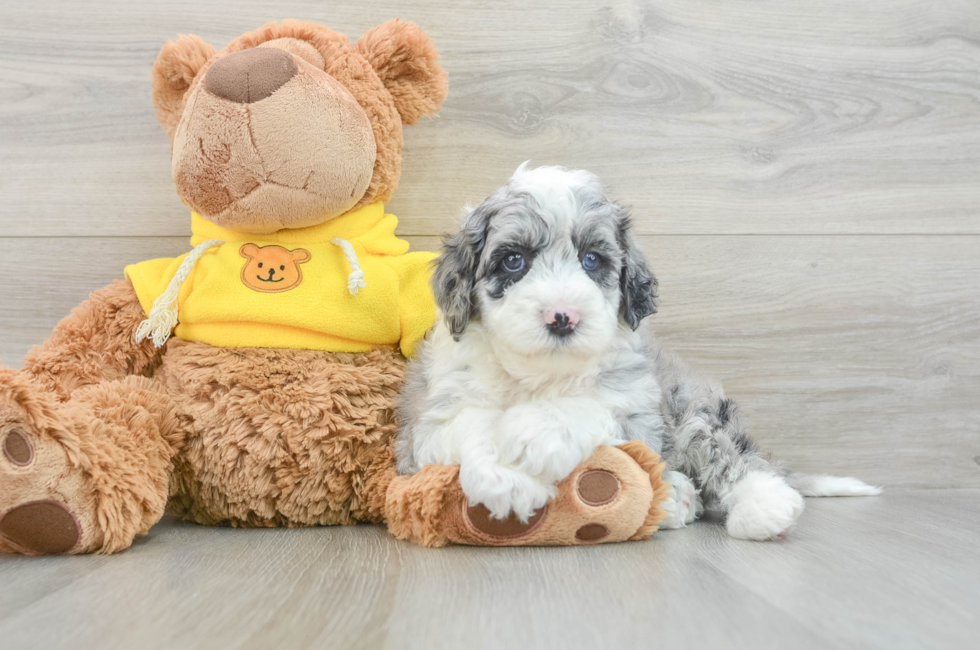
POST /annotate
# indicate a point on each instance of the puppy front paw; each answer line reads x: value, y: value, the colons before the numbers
x: 503, y: 490
x: 536, y: 440
x: 684, y: 504
x: 762, y: 506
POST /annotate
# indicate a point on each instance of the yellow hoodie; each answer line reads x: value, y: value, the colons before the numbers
x: 346, y: 285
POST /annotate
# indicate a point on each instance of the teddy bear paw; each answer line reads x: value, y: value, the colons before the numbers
x: 43, y: 504
x: 614, y: 496
x: 595, y: 504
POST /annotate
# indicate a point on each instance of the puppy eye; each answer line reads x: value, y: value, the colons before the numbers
x: 260, y: 265
x: 513, y: 262
x: 591, y: 261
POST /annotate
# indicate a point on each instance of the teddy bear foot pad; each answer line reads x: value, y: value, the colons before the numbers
x: 40, y: 512
x: 594, y: 487
x: 614, y: 496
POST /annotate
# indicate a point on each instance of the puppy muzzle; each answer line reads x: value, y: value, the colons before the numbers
x: 562, y: 323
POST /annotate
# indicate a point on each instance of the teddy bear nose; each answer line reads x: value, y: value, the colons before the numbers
x: 250, y: 75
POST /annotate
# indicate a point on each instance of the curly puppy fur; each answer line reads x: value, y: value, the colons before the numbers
x: 541, y: 355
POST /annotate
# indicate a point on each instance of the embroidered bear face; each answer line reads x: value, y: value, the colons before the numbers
x: 272, y: 269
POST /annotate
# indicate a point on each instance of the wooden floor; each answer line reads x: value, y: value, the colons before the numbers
x: 806, y: 176
x: 806, y: 179
x: 896, y: 571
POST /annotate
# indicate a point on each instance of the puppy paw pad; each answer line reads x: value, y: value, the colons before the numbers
x: 591, y: 533
x: 598, y: 487
x: 18, y: 449
x: 45, y: 527
x: 479, y: 518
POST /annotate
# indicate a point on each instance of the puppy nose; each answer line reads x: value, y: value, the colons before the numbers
x: 562, y: 321
x: 250, y: 75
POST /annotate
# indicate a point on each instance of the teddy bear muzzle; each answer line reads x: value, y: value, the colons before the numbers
x: 270, y: 141
x: 250, y: 75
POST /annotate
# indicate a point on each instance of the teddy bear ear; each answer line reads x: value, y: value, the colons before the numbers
x: 300, y: 255
x: 175, y: 68
x: 406, y: 60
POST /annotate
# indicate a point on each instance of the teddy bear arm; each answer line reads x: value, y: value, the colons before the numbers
x: 615, y: 495
x: 95, y: 342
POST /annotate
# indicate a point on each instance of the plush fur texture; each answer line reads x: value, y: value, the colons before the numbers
x: 541, y: 356
x: 114, y: 431
x: 255, y: 172
x: 220, y: 436
x: 104, y: 456
x: 282, y: 437
x: 94, y: 343
x: 174, y: 71
x: 430, y: 508
x: 218, y: 167
x: 406, y: 61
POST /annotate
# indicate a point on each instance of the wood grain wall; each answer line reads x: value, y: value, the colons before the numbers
x: 806, y: 176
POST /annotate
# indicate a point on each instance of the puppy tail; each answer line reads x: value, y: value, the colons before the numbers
x: 822, y: 485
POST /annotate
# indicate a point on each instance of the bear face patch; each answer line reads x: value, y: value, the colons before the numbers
x: 272, y: 269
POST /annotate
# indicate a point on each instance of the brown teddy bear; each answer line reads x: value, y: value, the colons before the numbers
x: 252, y: 381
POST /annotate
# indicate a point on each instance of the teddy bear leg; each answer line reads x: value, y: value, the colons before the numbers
x: 615, y: 495
x: 94, y: 343
x: 86, y: 475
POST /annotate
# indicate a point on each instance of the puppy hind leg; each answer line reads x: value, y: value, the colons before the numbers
x: 761, y: 505
x: 711, y: 445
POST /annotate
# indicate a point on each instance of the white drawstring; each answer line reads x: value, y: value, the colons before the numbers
x: 355, y: 280
x: 162, y: 318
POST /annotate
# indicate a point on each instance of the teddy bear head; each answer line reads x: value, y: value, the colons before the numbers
x: 291, y: 125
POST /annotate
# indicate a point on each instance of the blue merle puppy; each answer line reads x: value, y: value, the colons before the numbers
x: 542, y: 353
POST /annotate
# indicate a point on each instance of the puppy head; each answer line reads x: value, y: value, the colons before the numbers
x: 548, y: 265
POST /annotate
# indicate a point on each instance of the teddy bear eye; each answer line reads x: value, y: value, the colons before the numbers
x: 260, y: 265
x: 282, y: 267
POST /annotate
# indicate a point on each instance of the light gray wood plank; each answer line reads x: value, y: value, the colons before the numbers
x: 856, y: 355
x: 852, y: 355
x: 784, y: 116
x: 896, y: 571
x: 54, y: 275
x: 926, y: 539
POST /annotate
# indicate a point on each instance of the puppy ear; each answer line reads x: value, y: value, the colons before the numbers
x: 454, y: 278
x: 636, y: 282
x: 406, y: 60
x: 175, y: 68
